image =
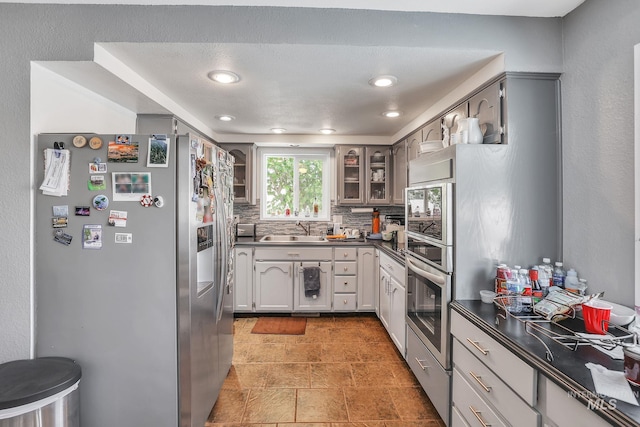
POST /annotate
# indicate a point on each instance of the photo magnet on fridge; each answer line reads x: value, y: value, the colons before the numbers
x: 62, y: 237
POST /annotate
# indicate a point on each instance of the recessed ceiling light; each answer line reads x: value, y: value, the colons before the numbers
x: 224, y: 77
x: 327, y: 131
x: 278, y: 130
x: 225, y: 117
x: 392, y: 114
x: 383, y: 81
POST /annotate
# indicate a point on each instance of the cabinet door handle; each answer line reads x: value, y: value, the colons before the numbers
x: 478, y: 415
x: 479, y: 380
x: 423, y: 367
x: 476, y: 345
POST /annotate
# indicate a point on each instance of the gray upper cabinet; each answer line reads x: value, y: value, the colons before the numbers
x: 350, y: 175
x: 451, y: 120
x: 486, y: 106
x: 399, y: 158
x: 413, y: 144
x: 378, y: 175
x: 244, y: 181
x: 364, y: 175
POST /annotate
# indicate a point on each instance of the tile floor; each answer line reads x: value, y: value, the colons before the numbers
x: 343, y: 372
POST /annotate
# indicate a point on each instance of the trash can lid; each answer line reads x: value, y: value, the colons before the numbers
x: 27, y: 381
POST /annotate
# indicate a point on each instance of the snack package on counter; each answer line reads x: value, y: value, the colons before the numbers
x: 560, y: 304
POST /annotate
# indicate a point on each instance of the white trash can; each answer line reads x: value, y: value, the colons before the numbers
x: 40, y: 393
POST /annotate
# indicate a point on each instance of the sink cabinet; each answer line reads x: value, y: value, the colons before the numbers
x: 278, y: 278
x: 274, y: 286
x: 244, y: 180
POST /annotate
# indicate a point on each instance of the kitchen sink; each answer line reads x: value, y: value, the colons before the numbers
x: 283, y: 238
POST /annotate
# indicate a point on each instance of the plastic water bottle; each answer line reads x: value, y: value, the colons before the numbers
x: 571, y: 282
x: 543, y: 280
x: 525, y: 280
x: 514, y: 289
x: 558, y: 275
x: 548, y: 268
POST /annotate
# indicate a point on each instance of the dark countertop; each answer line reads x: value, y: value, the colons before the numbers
x: 567, y: 368
x: 386, y: 247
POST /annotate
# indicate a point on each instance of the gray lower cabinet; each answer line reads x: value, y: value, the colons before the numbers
x: 559, y: 409
x: 432, y: 377
x: 243, y: 279
x: 321, y: 302
x: 345, y: 279
x: 490, y: 385
x: 367, y: 279
x: 274, y: 286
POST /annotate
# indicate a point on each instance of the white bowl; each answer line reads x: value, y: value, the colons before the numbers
x: 620, y: 315
x: 487, y: 296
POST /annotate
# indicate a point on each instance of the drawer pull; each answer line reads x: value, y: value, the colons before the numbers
x: 423, y: 367
x: 346, y: 254
x: 344, y: 302
x: 346, y: 283
x: 476, y: 345
x: 478, y: 415
x: 346, y: 269
x: 479, y: 380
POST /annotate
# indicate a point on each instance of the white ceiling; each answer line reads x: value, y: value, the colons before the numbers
x: 301, y: 88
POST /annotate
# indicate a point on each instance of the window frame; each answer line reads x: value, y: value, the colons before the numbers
x: 321, y: 153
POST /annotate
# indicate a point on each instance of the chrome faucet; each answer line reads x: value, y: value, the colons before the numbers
x: 307, y: 229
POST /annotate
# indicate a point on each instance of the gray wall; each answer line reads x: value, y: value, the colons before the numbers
x: 67, y: 32
x: 598, y: 140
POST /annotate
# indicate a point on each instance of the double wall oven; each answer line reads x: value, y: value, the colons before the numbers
x: 429, y: 259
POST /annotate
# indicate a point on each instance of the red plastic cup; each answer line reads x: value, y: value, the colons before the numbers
x: 596, y: 316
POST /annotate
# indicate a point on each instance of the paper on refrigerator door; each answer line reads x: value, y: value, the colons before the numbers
x: 56, y: 172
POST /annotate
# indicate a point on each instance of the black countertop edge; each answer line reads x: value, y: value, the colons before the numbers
x: 386, y: 247
x: 570, y: 373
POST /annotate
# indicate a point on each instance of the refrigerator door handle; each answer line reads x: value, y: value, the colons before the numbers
x: 221, y: 238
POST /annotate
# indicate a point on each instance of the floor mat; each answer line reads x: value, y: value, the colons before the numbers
x: 280, y: 325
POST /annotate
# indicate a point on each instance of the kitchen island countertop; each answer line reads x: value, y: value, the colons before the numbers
x: 566, y: 369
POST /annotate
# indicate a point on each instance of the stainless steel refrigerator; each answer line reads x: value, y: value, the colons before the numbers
x: 133, y: 240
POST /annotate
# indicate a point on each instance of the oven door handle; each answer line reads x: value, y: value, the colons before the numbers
x: 435, y: 278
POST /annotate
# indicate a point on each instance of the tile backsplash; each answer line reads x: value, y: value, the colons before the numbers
x: 251, y: 214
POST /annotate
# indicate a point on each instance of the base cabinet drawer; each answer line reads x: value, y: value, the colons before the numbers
x: 513, y: 370
x: 344, y: 302
x: 345, y: 284
x: 457, y: 420
x: 492, y: 389
x: 563, y: 410
x: 346, y: 254
x: 471, y: 406
x: 346, y: 268
x: 435, y: 381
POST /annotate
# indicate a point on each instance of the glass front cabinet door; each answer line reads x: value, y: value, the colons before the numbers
x: 243, y: 172
x: 350, y: 175
x: 378, y: 175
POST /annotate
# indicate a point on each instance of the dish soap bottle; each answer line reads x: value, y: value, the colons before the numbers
x: 315, y: 207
